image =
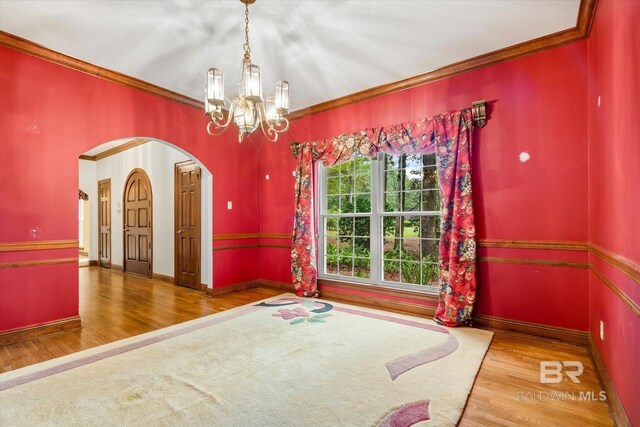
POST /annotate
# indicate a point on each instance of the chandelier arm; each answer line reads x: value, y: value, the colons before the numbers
x: 215, y: 115
x: 219, y: 115
x: 269, y: 133
x: 224, y: 129
x: 273, y: 126
x: 281, y: 125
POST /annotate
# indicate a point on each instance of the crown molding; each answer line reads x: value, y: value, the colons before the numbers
x: 580, y: 32
x: 34, y: 49
x: 586, y: 15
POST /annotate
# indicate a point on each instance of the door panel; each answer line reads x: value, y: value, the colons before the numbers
x: 143, y: 253
x: 138, y: 231
x: 104, y: 223
x: 187, y: 224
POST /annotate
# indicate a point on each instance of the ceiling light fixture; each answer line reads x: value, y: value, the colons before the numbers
x: 247, y: 109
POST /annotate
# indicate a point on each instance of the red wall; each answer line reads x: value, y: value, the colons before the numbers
x: 49, y: 116
x: 580, y: 184
x: 614, y: 188
x: 537, y: 105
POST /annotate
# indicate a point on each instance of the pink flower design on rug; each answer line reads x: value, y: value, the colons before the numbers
x: 288, y: 313
x: 407, y: 415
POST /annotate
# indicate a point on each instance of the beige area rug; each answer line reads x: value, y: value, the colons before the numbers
x: 281, y: 362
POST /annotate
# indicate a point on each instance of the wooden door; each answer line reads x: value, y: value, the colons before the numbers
x: 187, y: 224
x: 137, y: 224
x: 104, y: 223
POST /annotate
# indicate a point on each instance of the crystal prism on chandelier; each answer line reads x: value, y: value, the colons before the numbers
x: 247, y: 109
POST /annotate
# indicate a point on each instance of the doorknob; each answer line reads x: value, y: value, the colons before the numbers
x: 126, y: 229
x: 179, y: 232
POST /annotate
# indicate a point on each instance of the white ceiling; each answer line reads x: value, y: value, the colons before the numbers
x: 324, y: 48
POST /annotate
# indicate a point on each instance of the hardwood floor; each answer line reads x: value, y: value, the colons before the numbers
x: 114, y: 305
x: 507, y: 390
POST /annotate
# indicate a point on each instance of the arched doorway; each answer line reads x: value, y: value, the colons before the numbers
x: 114, y: 161
x: 137, y: 224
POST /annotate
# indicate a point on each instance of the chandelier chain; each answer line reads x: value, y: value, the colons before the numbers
x: 247, y: 49
x: 248, y: 110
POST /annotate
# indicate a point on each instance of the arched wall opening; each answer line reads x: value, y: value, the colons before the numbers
x: 158, y: 159
x: 41, y: 143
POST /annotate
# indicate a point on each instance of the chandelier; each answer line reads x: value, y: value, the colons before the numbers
x: 247, y: 110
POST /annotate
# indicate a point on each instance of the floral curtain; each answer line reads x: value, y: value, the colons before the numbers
x: 449, y: 136
x: 330, y: 152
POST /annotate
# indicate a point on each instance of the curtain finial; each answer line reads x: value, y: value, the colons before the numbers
x: 479, y: 112
x: 295, y: 148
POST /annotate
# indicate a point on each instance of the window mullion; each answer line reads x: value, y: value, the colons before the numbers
x: 375, y: 222
x: 345, y: 215
x: 411, y: 213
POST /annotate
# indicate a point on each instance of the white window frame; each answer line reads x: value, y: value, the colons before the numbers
x: 377, y: 214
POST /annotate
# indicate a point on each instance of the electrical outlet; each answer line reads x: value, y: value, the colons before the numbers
x: 601, y: 330
x: 229, y: 205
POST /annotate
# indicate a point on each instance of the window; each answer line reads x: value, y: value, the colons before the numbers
x: 379, y: 221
